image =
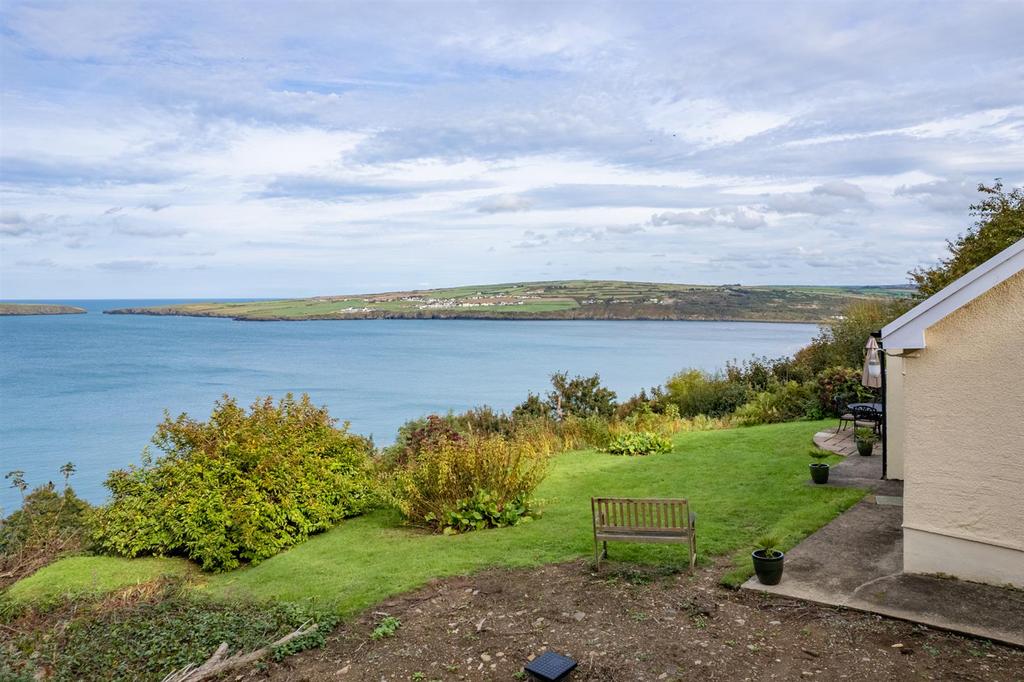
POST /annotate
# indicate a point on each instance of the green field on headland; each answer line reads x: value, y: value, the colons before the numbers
x: 557, y: 300
x: 39, y: 309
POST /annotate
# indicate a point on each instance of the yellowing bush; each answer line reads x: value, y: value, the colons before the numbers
x: 477, y: 482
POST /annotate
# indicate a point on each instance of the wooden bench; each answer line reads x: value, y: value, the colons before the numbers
x: 642, y: 520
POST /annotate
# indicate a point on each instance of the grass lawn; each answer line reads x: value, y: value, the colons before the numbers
x: 741, y: 482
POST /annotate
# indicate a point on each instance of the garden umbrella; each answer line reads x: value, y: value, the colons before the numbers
x: 872, y: 374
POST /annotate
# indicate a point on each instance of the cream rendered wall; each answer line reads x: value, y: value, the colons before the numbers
x: 963, y: 442
x: 895, y: 428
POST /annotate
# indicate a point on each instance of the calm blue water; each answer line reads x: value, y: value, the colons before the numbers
x: 91, y: 388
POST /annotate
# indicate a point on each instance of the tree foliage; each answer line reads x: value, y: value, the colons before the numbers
x: 239, y: 487
x: 999, y: 223
x: 841, y: 343
x: 580, y: 397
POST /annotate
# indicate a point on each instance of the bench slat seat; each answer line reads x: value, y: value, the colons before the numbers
x: 622, y: 519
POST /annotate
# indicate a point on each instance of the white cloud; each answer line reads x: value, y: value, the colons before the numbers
x: 709, y: 123
x: 504, y: 203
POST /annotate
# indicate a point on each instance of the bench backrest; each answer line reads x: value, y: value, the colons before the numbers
x: 625, y: 513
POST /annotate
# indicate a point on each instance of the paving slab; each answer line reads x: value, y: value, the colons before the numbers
x: 856, y: 562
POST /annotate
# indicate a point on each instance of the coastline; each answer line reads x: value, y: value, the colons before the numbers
x: 25, y: 309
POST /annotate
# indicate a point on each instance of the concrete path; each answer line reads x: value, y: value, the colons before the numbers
x: 856, y: 561
x: 855, y: 471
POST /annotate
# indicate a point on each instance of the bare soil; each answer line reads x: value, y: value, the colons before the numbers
x: 626, y: 624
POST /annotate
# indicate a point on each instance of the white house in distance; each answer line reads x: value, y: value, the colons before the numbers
x: 955, y: 424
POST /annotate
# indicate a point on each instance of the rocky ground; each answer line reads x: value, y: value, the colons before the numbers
x: 630, y: 624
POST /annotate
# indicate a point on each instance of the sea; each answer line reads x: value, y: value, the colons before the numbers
x: 90, y: 389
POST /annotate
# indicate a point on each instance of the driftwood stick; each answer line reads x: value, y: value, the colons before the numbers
x: 218, y: 664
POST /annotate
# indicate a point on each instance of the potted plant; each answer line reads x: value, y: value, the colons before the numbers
x: 768, y: 560
x: 819, y: 470
x: 866, y: 440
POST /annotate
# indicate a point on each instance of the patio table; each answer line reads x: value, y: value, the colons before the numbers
x: 871, y: 412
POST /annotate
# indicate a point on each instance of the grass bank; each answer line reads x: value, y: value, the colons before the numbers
x: 741, y: 482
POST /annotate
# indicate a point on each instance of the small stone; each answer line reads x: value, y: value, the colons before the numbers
x: 775, y: 622
x: 663, y: 676
x: 500, y: 654
x: 485, y: 657
x: 344, y: 671
x: 897, y: 646
x: 579, y: 615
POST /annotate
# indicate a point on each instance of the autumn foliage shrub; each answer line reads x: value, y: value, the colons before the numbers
x: 470, y: 483
x: 240, y: 487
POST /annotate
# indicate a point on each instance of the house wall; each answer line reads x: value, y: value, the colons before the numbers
x: 963, y: 442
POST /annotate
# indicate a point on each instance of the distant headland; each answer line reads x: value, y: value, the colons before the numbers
x: 39, y: 309
x: 555, y: 300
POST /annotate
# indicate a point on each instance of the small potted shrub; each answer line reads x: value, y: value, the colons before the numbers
x: 768, y: 560
x: 819, y: 470
x: 866, y: 440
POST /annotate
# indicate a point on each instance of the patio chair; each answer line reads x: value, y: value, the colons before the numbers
x: 845, y: 416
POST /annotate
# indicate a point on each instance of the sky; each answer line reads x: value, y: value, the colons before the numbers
x: 261, y: 149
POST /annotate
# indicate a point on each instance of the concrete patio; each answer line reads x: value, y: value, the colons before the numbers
x: 856, y: 562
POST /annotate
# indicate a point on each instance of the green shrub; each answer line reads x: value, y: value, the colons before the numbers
x: 240, y: 487
x: 482, y: 510
x: 836, y: 387
x: 580, y: 397
x: 418, y: 435
x: 492, y: 476
x: 639, y: 443
x: 782, y: 402
x: 695, y: 392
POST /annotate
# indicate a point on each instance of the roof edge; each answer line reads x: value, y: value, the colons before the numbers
x: 907, y: 330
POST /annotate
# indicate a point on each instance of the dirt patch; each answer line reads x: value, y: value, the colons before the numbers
x: 632, y: 624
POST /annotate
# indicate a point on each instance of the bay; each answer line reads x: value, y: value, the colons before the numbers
x: 91, y: 388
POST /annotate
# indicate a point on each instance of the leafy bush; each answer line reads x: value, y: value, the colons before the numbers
x: 418, y: 435
x: 164, y: 630
x: 580, y: 397
x: 836, y: 387
x: 695, y: 392
x: 455, y: 480
x: 483, y: 511
x: 640, y: 443
x: 48, y: 525
x: 239, y: 487
x: 782, y: 402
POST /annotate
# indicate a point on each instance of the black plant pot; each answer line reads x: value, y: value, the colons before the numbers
x: 768, y: 569
x: 865, y: 447
x: 819, y: 473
